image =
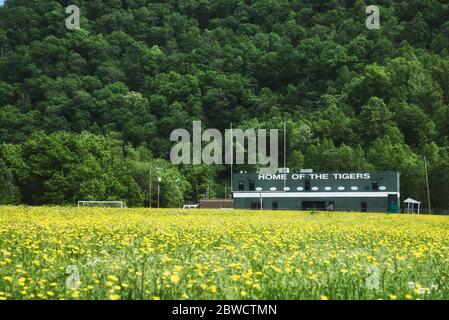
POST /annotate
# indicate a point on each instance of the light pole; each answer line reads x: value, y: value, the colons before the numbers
x: 159, y: 179
x: 208, y: 190
x: 175, y: 185
x: 151, y: 182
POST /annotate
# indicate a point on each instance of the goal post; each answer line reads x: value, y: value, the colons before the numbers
x: 112, y: 204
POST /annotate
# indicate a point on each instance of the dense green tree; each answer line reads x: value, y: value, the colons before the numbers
x: 64, y: 168
x: 387, y: 154
x: 9, y: 192
x: 136, y: 70
x: 377, y: 120
x: 324, y: 156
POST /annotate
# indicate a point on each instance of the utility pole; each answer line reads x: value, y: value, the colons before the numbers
x: 427, y: 185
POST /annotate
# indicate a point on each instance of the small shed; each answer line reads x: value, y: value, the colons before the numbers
x: 412, y: 204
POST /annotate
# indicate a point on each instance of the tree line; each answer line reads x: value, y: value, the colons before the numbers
x: 88, y: 113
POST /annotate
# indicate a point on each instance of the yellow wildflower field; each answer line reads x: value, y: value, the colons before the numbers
x: 104, y: 253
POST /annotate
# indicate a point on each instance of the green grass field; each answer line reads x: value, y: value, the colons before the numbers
x: 71, y: 253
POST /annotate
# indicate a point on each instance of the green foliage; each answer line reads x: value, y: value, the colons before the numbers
x: 146, y: 171
x: 64, y: 168
x: 139, y: 69
x: 9, y: 193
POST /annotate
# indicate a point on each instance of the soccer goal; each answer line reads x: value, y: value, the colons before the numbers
x: 113, y: 204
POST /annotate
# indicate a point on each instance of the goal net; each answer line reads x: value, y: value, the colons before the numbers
x: 113, y: 204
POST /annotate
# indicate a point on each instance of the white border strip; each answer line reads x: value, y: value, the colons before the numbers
x: 313, y: 194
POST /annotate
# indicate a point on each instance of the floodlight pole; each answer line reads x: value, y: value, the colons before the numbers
x: 159, y: 179
x: 151, y: 183
x: 150, y: 197
x: 175, y: 185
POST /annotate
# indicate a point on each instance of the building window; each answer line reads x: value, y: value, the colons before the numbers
x: 307, y: 184
x: 275, y: 205
x: 241, y: 186
x: 252, y: 185
x: 375, y: 184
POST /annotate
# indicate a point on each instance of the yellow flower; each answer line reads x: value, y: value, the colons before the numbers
x: 235, y: 277
x: 324, y: 298
x: 156, y: 298
x: 174, y: 279
x: 114, y: 297
x: 243, y: 293
x: 344, y: 270
x: 22, y: 281
x: 112, y: 278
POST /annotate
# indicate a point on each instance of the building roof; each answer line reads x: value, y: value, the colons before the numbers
x: 410, y: 200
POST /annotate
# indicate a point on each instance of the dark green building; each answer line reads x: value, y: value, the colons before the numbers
x: 338, y: 191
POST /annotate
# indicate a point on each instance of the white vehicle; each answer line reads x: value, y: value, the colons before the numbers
x: 190, y: 206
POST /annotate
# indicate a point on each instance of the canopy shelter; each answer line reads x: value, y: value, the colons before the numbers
x: 412, y: 204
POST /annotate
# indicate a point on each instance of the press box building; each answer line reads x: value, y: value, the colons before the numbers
x: 340, y: 191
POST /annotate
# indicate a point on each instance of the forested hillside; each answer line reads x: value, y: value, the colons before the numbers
x: 88, y: 113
